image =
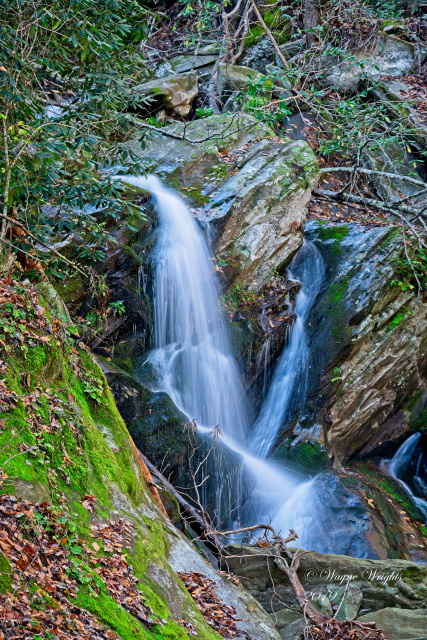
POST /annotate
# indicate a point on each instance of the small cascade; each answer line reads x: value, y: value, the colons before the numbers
x: 263, y: 361
x: 403, y: 456
x: 398, y: 464
x: 291, y: 373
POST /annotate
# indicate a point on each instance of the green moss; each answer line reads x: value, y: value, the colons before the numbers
x: 86, y: 461
x: 337, y: 233
x: 112, y: 615
x: 5, y: 574
x: 219, y: 172
x: 398, y: 318
x: 309, y: 457
x: 420, y: 424
x: 130, y: 251
x: 395, y: 490
x: 71, y: 289
x: 278, y: 25
x: 395, y: 234
x: 194, y: 191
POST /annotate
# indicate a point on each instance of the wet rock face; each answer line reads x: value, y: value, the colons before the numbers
x: 264, y: 209
x: 154, y: 423
x: 376, y: 584
x: 197, y: 165
x: 374, y: 335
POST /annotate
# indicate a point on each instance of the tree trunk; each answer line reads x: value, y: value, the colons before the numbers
x: 310, y: 20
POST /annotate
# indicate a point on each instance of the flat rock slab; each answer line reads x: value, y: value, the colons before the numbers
x: 400, y: 624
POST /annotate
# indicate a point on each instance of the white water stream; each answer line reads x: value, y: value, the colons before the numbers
x: 291, y: 373
x: 398, y: 464
x: 196, y: 369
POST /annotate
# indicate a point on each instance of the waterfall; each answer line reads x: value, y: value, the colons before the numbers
x: 196, y: 369
x: 192, y: 355
x: 291, y: 373
x: 397, y: 465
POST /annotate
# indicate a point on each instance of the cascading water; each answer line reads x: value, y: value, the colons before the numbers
x: 192, y: 353
x: 291, y: 373
x: 398, y: 464
x: 195, y: 366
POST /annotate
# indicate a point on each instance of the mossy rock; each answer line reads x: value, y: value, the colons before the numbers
x: 278, y: 24
x: 102, y: 461
x: 308, y: 457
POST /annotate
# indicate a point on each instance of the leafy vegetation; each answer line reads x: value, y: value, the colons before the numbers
x: 67, y: 69
x: 411, y: 270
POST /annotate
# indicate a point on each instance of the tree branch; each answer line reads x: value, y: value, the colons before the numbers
x: 270, y: 36
x: 385, y: 174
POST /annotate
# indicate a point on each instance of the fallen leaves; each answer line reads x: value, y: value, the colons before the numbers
x: 20, y: 317
x: 346, y: 630
x: 218, y: 615
x: 43, y: 552
x: 88, y: 502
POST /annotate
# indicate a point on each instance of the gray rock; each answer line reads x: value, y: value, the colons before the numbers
x: 393, y: 159
x: 232, y: 104
x: 164, y: 70
x: 294, y: 630
x: 350, y: 605
x: 196, y: 163
x: 400, y: 624
x: 290, y: 49
x: 175, y: 93
x: 390, y: 56
x: 284, y: 617
x: 235, y: 78
x: 185, y: 63
x: 392, y: 94
x: 322, y: 604
x: 254, y: 620
x: 380, y: 367
x: 259, y: 55
x: 260, y: 210
x: 263, y: 208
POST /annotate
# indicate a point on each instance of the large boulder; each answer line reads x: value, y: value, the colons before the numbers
x: 199, y: 163
x: 174, y: 93
x: 263, y: 209
x: 235, y: 78
x: 390, y: 56
x: 399, y: 624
